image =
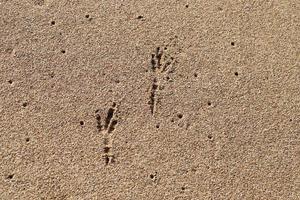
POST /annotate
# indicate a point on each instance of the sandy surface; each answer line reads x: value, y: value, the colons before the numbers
x: 150, y: 100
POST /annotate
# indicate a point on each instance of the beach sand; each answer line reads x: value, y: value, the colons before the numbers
x: 150, y: 100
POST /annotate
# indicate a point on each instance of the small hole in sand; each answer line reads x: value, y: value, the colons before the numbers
x: 10, y: 81
x: 63, y: 51
x: 180, y: 116
x: 10, y: 176
x: 236, y: 73
x: 157, y: 126
x: 209, y: 103
x: 25, y: 104
x: 87, y: 16
x: 186, y: 6
x: 52, y: 22
x: 140, y: 17
x: 106, y: 149
x: 195, y: 75
x: 81, y: 123
x: 152, y: 176
x: 27, y: 139
x: 232, y: 43
x: 209, y: 137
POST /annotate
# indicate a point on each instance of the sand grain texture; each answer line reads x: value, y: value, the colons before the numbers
x: 161, y: 99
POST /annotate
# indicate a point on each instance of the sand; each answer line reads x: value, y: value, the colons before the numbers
x: 150, y: 100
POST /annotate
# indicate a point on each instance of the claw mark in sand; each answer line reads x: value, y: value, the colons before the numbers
x: 161, y: 65
x: 152, y: 101
x: 107, y: 129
